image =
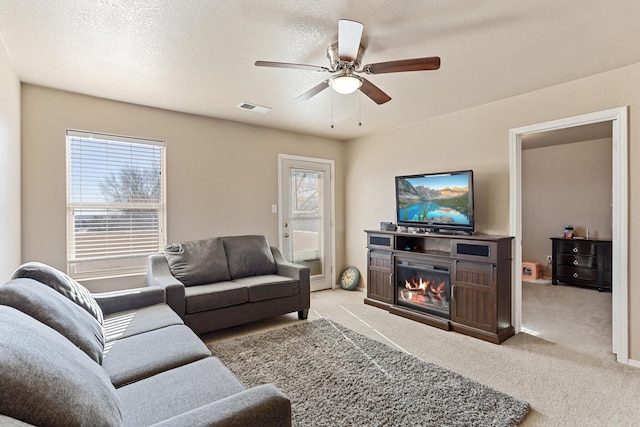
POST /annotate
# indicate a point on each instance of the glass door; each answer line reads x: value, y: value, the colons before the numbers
x: 306, y: 218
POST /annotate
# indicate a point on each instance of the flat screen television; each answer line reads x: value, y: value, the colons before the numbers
x: 436, y: 201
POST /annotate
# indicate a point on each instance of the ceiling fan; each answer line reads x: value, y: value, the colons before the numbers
x: 345, y: 58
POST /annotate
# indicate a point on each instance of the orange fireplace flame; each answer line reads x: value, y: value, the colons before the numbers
x: 414, y: 285
x: 429, y: 287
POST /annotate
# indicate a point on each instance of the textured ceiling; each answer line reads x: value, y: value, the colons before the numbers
x: 197, y: 56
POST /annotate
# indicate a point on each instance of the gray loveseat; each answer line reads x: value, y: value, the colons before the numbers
x: 69, y: 358
x: 221, y: 282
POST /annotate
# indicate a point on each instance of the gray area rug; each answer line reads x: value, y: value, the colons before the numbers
x: 337, y: 377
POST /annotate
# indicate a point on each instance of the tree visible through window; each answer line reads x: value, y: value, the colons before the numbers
x: 115, y: 203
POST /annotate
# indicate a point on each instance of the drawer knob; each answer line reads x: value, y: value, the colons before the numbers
x: 575, y: 262
x: 575, y: 275
x: 575, y: 250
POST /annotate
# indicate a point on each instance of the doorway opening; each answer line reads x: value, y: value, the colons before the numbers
x: 618, y: 119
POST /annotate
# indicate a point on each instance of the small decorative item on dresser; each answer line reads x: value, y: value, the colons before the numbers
x: 349, y: 278
x: 568, y: 232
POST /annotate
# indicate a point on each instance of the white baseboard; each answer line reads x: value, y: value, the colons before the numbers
x: 634, y: 363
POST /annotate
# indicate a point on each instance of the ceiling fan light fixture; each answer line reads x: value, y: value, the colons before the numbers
x: 345, y: 84
x: 345, y: 57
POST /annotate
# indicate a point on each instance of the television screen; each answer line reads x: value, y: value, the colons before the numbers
x: 436, y: 201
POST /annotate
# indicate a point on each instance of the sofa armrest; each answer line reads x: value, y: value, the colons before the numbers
x: 158, y: 274
x: 286, y: 268
x: 263, y: 406
x: 295, y: 271
x: 129, y: 299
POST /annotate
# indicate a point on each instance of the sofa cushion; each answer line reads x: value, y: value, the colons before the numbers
x: 54, y: 310
x: 269, y: 286
x: 198, y: 262
x: 215, y: 295
x: 140, y: 356
x: 133, y: 322
x: 46, y: 380
x: 61, y: 283
x: 194, y: 385
x: 249, y: 256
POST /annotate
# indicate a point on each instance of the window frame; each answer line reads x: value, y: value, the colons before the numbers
x: 115, y: 264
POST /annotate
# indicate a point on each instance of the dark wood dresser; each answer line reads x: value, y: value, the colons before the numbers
x: 582, y: 262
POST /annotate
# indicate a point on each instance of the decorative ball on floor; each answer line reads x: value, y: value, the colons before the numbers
x: 349, y: 278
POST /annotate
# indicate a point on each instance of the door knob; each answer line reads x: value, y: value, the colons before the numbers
x: 286, y: 235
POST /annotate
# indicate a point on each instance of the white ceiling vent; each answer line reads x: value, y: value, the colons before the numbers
x: 253, y: 107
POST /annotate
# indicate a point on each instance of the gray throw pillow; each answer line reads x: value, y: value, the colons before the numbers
x: 54, y: 310
x: 61, y: 283
x: 198, y: 262
x: 47, y: 381
x: 249, y: 256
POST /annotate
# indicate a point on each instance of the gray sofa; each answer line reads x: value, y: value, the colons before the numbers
x: 69, y: 358
x: 221, y: 282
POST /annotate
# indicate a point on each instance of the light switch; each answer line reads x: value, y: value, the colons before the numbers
x: 274, y: 208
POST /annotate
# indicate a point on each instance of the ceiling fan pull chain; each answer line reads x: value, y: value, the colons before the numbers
x: 331, y: 109
x: 359, y: 108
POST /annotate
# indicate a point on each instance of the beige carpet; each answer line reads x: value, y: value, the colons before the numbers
x: 563, y: 367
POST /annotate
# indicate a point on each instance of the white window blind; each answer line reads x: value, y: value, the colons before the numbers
x: 115, y: 203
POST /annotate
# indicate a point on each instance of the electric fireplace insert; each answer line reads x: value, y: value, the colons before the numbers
x: 424, y: 286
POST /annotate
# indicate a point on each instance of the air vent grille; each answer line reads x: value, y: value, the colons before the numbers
x: 253, y: 107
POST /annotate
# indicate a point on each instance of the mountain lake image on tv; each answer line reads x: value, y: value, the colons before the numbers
x: 438, y: 201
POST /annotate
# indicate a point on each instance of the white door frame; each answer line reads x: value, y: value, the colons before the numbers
x: 332, y: 219
x: 620, y: 216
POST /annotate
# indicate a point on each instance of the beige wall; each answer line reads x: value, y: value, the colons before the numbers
x: 205, y: 154
x: 478, y: 139
x: 9, y: 167
x: 222, y: 177
x: 565, y: 184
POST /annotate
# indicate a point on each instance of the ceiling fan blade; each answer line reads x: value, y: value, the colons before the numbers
x: 418, y: 64
x: 349, y: 35
x: 288, y: 65
x: 313, y: 91
x: 374, y: 92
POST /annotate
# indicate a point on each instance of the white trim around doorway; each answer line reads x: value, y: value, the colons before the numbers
x: 620, y: 216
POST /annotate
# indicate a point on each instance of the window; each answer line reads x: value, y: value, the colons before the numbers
x: 115, y: 204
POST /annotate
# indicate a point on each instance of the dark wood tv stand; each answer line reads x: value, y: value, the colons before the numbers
x: 480, y: 279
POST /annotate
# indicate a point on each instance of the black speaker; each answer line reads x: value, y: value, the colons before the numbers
x: 380, y: 241
x: 477, y: 250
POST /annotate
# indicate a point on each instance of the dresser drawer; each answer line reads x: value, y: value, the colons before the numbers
x: 577, y: 247
x: 573, y: 273
x: 582, y: 261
